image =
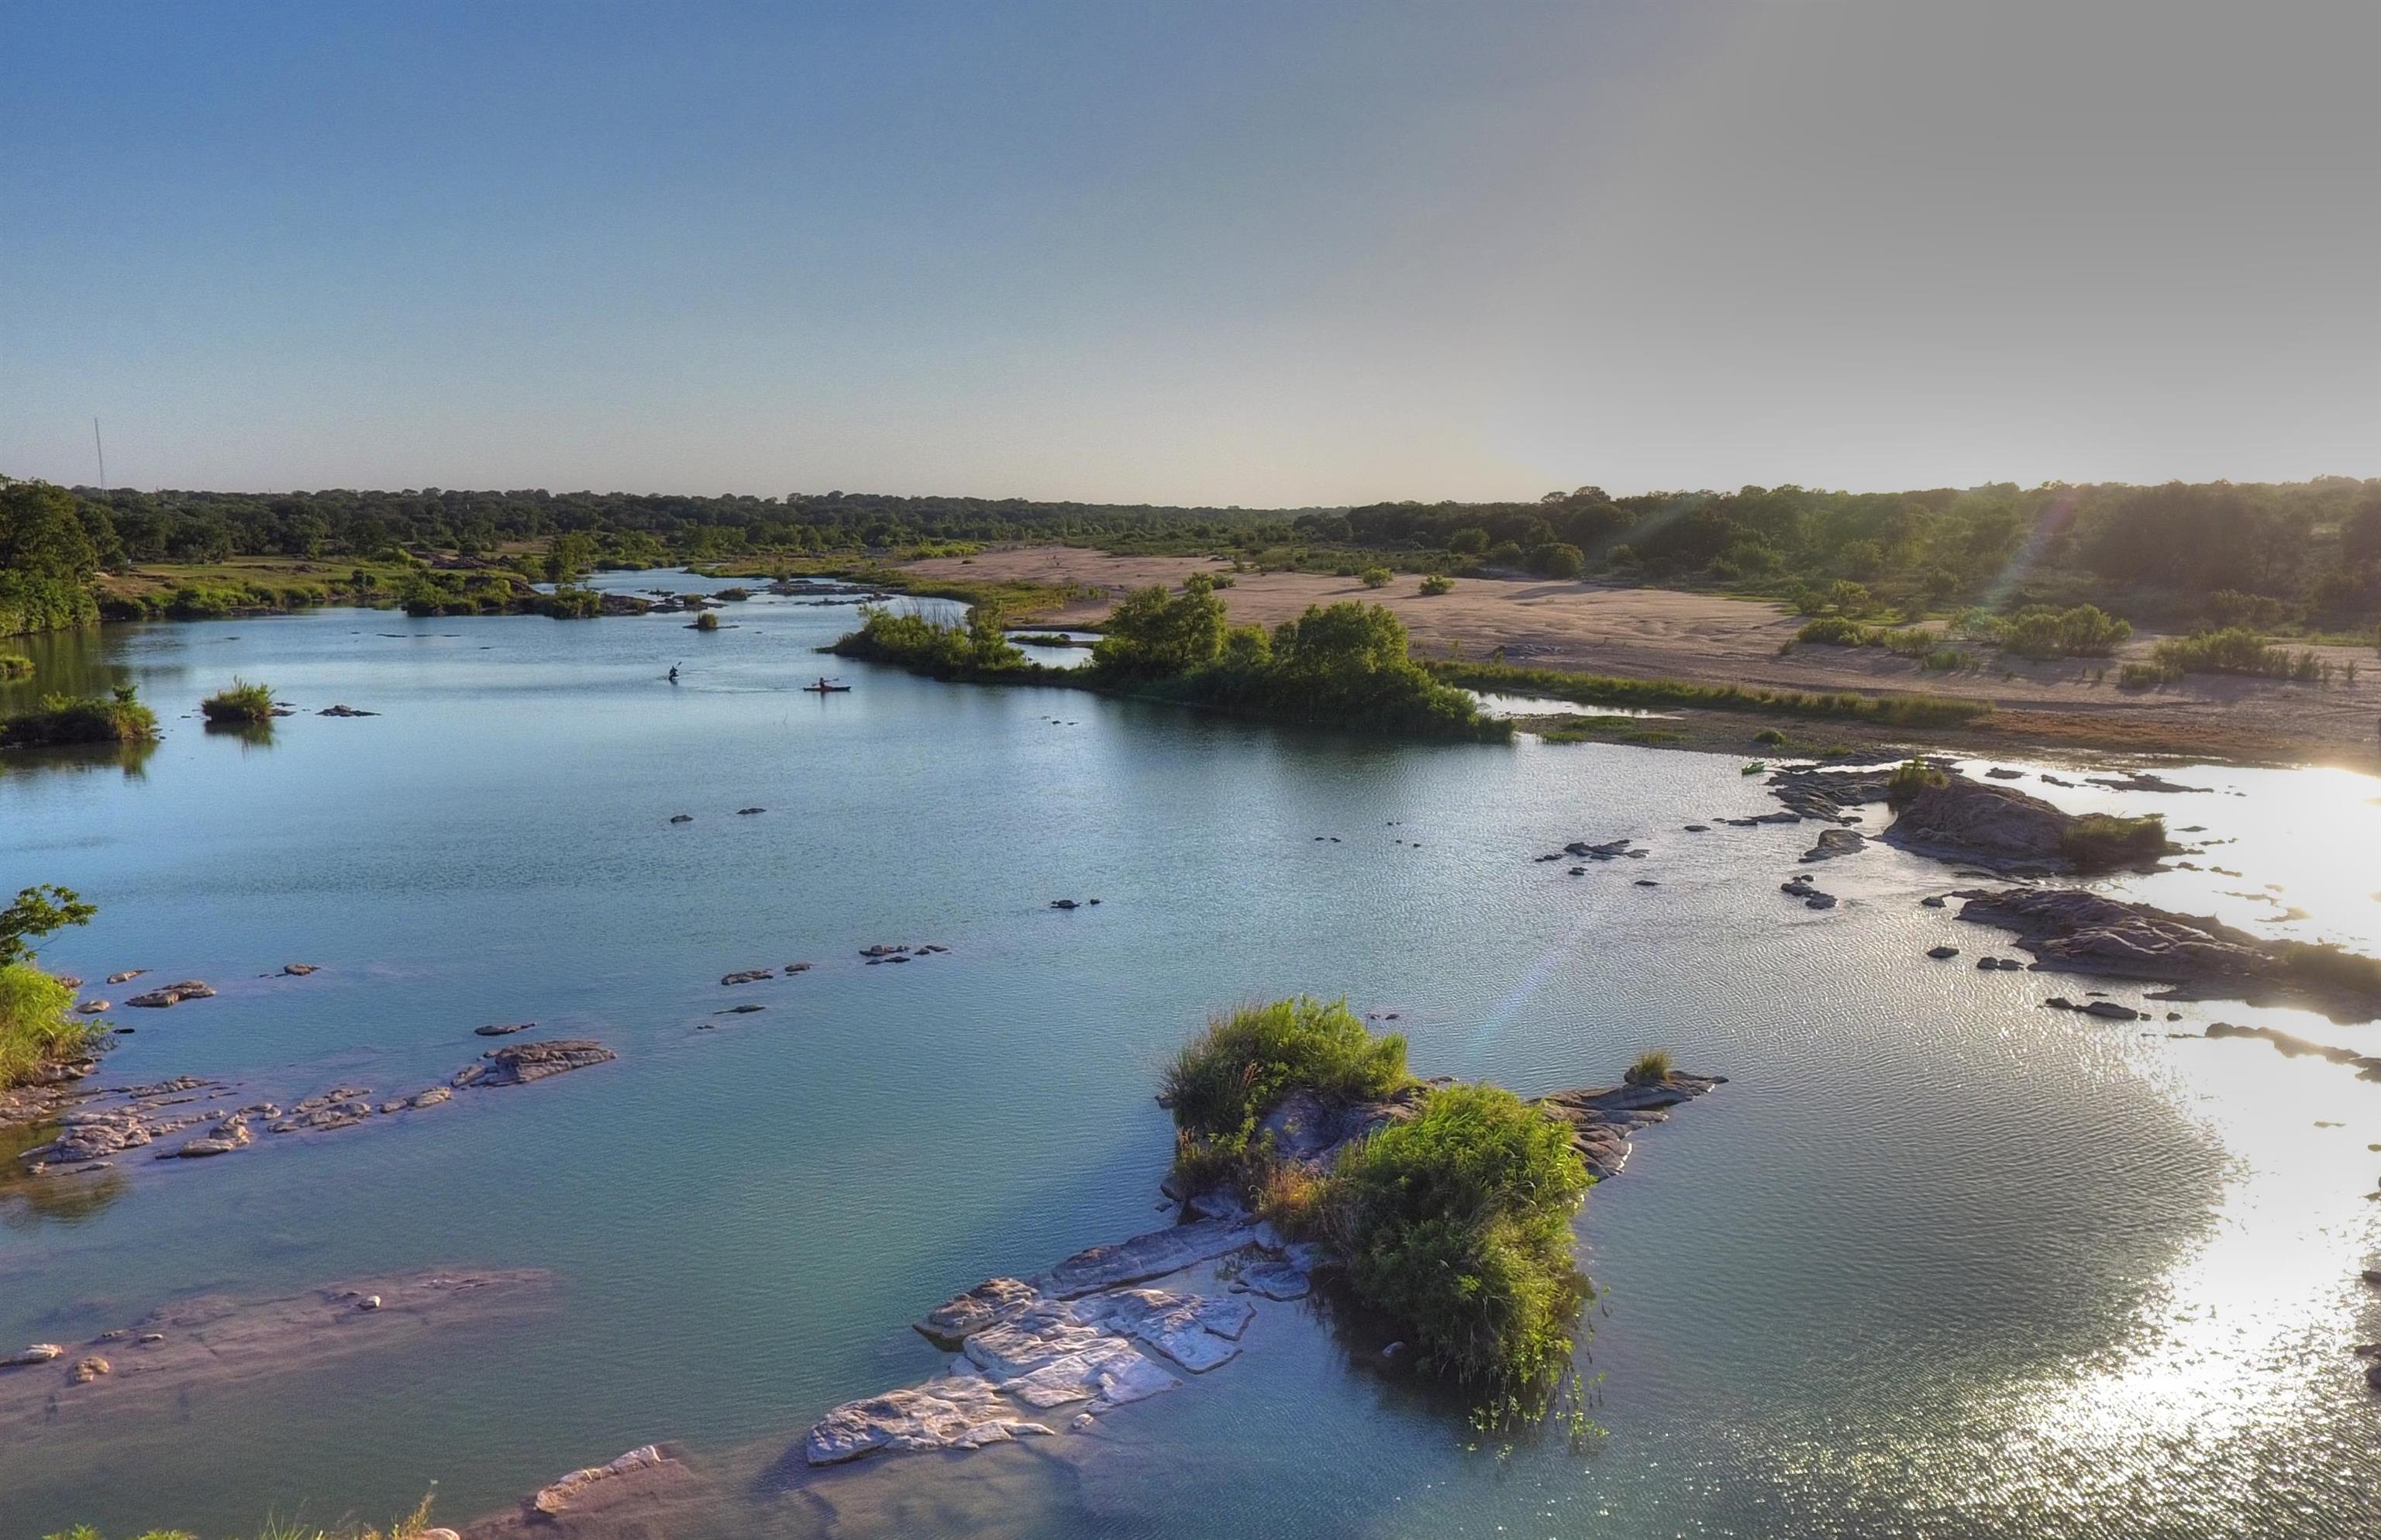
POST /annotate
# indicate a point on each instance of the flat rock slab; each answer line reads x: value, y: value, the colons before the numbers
x: 192, y: 1345
x: 1144, y: 1257
x: 956, y: 1411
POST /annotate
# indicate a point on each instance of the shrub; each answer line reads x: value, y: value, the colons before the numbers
x: 12, y: 667
x: 2231, y: 651
x: 1456, y: 1226
x: 37, y: 1023
x: 1557, y: 559
x: 567, y: 604
x: 933, y: 647
x: 1836, y: 631
x: 82, y: 719
x: 1437, y: 584
x: 1649, y: 1068
x: 1375, y: 577
x: 2142, y: 675
x: 243, y: 702
x: 2040, y: 632
x: 1771, y: 736
x: 1912, y: 777
x: 706, y: 621
x: 2099, y: 840
x: 1229, y: 1077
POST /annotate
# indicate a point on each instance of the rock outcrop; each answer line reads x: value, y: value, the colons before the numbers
x: 1601, y: 1120
x: 523, y: 1062
x: 2073, y: 930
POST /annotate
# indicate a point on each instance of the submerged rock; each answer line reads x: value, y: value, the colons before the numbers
x: 502, y: 1029
x: 172, y: 994
x: 750, y: 975
x: 558, y: 1496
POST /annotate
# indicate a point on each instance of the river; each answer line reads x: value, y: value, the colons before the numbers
x: 1935, y: 1262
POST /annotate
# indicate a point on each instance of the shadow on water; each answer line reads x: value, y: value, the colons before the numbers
x: 30, y: 1202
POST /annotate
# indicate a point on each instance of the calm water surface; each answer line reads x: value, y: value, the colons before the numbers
x: 1937, y: 1263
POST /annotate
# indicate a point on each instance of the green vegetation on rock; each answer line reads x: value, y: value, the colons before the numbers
x: 120, y: 719
x: 1240, y: 1068
x: 242, y: 702
x: 2099, y: 841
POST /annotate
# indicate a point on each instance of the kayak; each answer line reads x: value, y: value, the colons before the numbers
x: 827, y: 689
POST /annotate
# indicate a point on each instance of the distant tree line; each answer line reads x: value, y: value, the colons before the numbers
x: 2271, y: 554
x: 2262, y: 555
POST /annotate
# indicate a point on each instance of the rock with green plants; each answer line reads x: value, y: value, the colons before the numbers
x: 1307, y: 1155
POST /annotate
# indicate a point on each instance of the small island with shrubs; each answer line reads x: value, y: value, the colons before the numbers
x: 239, y: 705
x: 118, y: 718
x: 1344, y: 665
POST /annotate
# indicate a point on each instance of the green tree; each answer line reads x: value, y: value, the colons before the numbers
x: 37, y: 911
x: 568, y: 555
x: 1154, y: 633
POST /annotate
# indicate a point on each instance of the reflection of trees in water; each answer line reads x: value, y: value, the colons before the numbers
x: 65, y: 1198
x: 131, y: 758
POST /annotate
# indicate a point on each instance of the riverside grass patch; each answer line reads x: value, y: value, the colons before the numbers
x: 1901, y: 711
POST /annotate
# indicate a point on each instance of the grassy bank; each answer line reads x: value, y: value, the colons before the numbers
x: 1603, y: 690
x: 38, y: 1027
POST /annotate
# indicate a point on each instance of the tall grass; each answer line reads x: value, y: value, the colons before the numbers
x: 1226, y: 1080
x: 37, y: 1024
x: 407, y: 1528
x: 2097, y: 841
x: 242, y: 702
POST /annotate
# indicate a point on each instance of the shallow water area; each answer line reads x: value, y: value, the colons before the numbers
x: 1937, y: 1262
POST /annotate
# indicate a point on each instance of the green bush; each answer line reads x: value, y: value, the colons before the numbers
x: 2142, y: 675
x: 567, y: 604
x: 1910, y: 778
x: 706, y: 621
x: 1375, y: 577
x: 1437, y: 584
x: 1456, y: 1226
x: 2038, y: 631
x: 13, y: 667
x: 81, y: 719
x: 1557, y: 559
x: 2098, y: 842
x: 1836, y: 631
x: 1771, y: 736
x: 2231, y: 651
x: 945, y: 650
x: 1238, y: 1070
x: 243, y: 702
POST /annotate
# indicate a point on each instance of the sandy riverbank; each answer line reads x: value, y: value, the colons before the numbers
x: 1659, y: 633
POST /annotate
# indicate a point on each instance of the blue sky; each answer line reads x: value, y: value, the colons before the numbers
x: 1260, y: 255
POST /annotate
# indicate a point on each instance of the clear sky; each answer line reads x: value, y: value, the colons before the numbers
x: 1290, y: 252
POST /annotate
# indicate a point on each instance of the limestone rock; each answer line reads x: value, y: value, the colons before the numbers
x: 524, y: 1062
x: 556, y: 1498
x: 956, y: 1411
x: 1835, y: 842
